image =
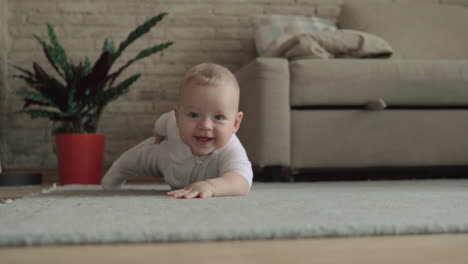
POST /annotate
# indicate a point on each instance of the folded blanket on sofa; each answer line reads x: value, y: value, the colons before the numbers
x: 332, y: 44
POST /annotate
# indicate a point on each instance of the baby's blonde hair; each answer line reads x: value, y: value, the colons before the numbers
x: 209, y: 74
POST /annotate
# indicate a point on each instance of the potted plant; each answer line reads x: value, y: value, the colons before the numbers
x: 75, y: 97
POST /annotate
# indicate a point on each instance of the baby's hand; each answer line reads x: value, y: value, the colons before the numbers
x: 201, y: 189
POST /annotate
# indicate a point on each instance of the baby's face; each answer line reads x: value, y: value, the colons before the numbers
x: 207, y: 117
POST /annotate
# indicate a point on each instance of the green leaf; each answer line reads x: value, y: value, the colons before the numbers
x: 108, y: 46
x: 50, y: 55
x: 23, y: 70
x: 44, y: 44
x: 60, y: 56
x: 138, y: 32
x: 43, y: 80
x: 97, y: 78
x: 71, y: 96
x: 151, y: 51
x: 72, y: 113
x: 103, y: 97
x: 38, y: 113
x: 142, y: 54
x: 50, y: 87
x: 59, y: 94
x: 34, y: 98
x: 87, y: 66
x: 29, y: 81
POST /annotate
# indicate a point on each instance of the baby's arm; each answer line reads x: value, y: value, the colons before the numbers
x: 235, y: 180
x: 160, y: 128
x: 139, y: 160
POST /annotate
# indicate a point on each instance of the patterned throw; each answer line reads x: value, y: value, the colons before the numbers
x: 332, y: 44
x: 270, y: 31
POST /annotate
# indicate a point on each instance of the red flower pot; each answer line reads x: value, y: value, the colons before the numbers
x: 80, y: 157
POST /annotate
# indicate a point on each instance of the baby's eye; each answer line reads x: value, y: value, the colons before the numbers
x: 219, y: 117
x: 193, y: 115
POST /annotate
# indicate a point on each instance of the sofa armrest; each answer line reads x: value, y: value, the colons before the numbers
x: 264, y: 99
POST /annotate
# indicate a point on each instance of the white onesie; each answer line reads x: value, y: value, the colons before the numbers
x: 174, y: 160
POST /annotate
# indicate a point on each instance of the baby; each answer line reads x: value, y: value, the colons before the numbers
x: 194, y: 146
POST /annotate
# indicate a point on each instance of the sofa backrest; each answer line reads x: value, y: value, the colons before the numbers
x: 415, y: 31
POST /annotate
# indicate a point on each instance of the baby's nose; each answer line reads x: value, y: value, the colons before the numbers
x: 205, y: 123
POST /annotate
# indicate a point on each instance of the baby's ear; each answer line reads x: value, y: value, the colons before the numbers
x: 238, y: 121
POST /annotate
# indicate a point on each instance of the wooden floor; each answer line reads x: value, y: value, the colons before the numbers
x: 437, y: 249
x: 440, y: 249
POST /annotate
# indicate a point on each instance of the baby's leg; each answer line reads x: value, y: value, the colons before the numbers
x: 137, y: 161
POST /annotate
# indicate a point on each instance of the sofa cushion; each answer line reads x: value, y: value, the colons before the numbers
x: 358, y: 82
x: 415, y: 31
x: 270, y: 31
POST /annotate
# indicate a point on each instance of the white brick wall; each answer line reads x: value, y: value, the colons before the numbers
x: 203, y: 30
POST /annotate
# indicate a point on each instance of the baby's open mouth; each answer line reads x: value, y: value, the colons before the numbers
x: 203, y: 139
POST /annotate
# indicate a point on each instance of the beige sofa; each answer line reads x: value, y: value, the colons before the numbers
x: 313, y: 113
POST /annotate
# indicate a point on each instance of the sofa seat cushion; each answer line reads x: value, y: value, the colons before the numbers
x: 355, y: 82
x: 415, y: 31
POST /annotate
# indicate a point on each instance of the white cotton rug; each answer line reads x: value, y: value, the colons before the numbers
x: 142, y: 213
